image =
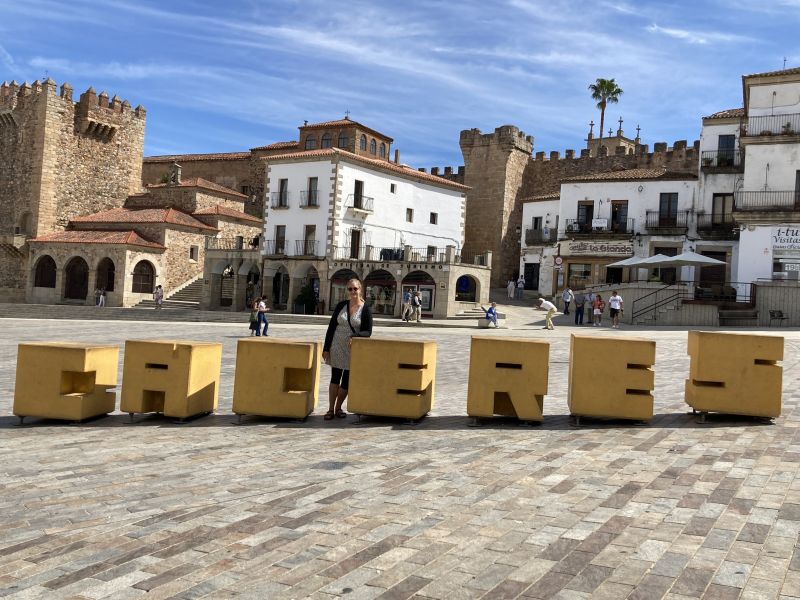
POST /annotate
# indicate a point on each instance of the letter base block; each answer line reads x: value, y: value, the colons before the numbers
x: 177, y: 378
x: 391, y: 378
x: 507, y: 377
x: 735, y: 373
x: 66, y: 381
x: 276, y: 378
x: 611, y: 377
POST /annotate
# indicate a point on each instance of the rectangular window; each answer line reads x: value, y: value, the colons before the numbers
x: 431, y: 252
x: 393, y: 188
x: 309, y: 240
x: 245, y: 189
x: 578, y: 275
x: 280, y: 239
x: 668, y: 206
x: 536, y: 223
x: 311, y: 192
x: 434, y: 218
x: 194, y: 252
x: 726, y: 143
x: 410, y: 215
x: 283, y: 194
x: 722, y: 209
x: 619, y: 217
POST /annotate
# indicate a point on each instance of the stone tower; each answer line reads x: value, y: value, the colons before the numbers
x: 494, y: 167
x: 60, y: 159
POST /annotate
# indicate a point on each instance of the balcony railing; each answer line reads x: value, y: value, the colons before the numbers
x: 720, y: 159
x: 308, y: 199
x: 280, y: 200
x: 657, y: 220
x: 537, y: 237
x: 275, y: 247
x: 233, y: 244
x: 767, y: 200
x: 427, y: 255
x: 773, y: 125
x: 719, y: 226
x: 360, y: 202
x: 305, y: 247
x: 348, y: 252
x: 599, y: 227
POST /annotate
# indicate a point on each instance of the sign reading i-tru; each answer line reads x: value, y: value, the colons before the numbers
x: 786, y: 238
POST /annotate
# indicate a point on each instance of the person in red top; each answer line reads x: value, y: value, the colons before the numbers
x: 598, y: 306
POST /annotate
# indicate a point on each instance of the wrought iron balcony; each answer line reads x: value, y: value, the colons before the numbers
x: 657, y: 221
x: 348, y: 252
x: 280, y: 200
x: 788, y: 124
x: 305, y: 247
x: 360, y: 202
x: 597, y: 227
x: 537, y: 237
x: 721, y: 160
x: 767, y: 200
x: 308, y: 199
x: 717, y: 226
x: 275, y: 247
x: 427, y: 255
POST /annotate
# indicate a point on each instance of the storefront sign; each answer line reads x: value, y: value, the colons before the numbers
x: 785, y: 238
x: 597, y: 248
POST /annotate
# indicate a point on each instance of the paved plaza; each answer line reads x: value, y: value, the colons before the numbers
x: 277, y: 509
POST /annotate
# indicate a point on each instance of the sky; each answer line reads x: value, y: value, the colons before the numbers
x: 228, y: 76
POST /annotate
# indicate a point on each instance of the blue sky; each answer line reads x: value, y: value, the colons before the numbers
x: 225, y: 76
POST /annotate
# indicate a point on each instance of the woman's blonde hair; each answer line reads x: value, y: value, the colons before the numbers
x: 360, y: 286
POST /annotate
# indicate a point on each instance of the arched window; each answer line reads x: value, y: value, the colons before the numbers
x: 45, y: 275
x: 325, y: 142
x: 144, y: 276
x: 311, y: 142
x: 383, y: 151
x: 373, y: 147
x: 343, y: 140
x: 363, y: 142
x: 105, y: 275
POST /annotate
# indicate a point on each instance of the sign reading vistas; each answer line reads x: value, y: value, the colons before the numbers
x: 596, y: 248
x: 786, y: 238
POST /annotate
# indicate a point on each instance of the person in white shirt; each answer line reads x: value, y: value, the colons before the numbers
x: 510, y: 288
x: 567, y: 297
x: 615, y: 304
x: 551, y: 310
x: 520, y: 287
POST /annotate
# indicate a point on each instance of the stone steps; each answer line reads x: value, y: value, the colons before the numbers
x: 187, y: 297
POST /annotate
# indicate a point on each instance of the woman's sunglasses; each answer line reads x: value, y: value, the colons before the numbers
x: 354, y: 289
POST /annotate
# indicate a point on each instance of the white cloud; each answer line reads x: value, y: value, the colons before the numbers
x: 698, y: 37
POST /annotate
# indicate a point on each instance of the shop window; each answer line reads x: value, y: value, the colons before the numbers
x: 579, y: 275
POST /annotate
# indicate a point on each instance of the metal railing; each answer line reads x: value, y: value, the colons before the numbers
x: 431, y: 254
x: 308, y: 199
x: 347, y: 252
x: 537, y: 237
x: 387, y: 254
x: 730, y: 294
x: 360, y: 202
x: 655, y: 219
x: 233, y: 244
x: 280, y: 200
x: 664, y: 296
x: 767, y: 200
x: 275, y: 247
x: 305, y: 247
x: 610, y: 227
x: 721, y: 226
x: 788, y: 124
x: 720, y: 159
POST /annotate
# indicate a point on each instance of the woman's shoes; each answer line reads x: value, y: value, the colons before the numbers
x: 328, y: 415
x: 341, y: 414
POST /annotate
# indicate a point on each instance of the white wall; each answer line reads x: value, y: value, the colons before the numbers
x: 547, y: 209
x: 783, y: 160
x: 786, y: 99
x: 755, y: 248
x: 387, y: 227
x: 709, y: 135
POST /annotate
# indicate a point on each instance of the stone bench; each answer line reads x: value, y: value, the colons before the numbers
x: 484, y: 323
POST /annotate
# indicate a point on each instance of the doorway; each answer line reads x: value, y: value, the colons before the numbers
x: 76, y: 286
x: 532, y: 276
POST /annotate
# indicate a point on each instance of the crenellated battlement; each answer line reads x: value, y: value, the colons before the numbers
x: 662, y: 152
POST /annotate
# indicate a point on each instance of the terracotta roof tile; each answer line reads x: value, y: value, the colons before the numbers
x: 631, y: 175
x: 792, y: 71
x: 383, y: 164
x: 346, y: 122
x: 143, y: 215
x: 126, y: 238
x: 224, y: 211
x: 199, y: 182
x: 170, y: 158
x: 727, y: 114
x: 542, y: 197
x: 279, y: 146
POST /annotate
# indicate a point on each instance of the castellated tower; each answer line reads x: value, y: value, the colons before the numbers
x: 494, y: 167
x: 60, y: 159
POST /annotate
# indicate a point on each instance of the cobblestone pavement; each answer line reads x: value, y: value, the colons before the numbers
x: 275, y: 509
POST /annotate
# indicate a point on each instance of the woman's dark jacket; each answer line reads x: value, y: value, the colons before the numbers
x: 364, y: 331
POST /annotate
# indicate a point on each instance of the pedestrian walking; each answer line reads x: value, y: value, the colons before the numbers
x: 262, y: 310
x: 351, y: 318
x: 491, y: 313
x: 598, y: 306
x: 97, y: 297
x: 588, y: 304
x: 510, y: 287
x: 416, y: 304
x: 615, y: 304
x: 567, y: 296
x: 407, y: 309
x: 520, y: 287
x: 102, y: 297
x: 580, y: 302
x: 551, y: 310
x: 158, y: 296
x: 254, y: 324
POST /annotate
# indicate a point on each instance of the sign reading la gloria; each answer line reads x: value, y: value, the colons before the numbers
x: 596, y: 248
x: 786, y: 238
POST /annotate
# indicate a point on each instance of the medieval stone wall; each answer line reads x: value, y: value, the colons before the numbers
x: 179, y: 268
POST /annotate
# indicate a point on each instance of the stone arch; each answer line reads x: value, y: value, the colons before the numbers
x: 423, y: 282
x: 144, y: 277
x: 338, y: 283
x: 468, y: 289
x: 44, y: 274
x: 373, y: 146
x: 280, y: 287
x: 76, y: 279
x: 105, y: 275
x: 380, y: 292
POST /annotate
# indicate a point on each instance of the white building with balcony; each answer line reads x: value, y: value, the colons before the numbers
x: 539, y: 234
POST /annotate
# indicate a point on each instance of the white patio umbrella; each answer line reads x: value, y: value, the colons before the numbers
x: 689, y: 259
x: 628, y: 262
x: 657, y: 260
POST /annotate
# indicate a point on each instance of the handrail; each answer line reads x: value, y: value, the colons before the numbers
x: 678, y: 295
x: 656, y: 291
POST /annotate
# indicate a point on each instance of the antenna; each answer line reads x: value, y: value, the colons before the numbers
x: 784, y: 62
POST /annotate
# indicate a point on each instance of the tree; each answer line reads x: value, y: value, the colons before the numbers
x: 604, y: 92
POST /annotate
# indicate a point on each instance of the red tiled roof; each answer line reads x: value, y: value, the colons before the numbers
x: 631, y: 175
x: 224, y: 211
x: 170, y: 158
x: 792, y: 71
x: 200, y: 183
x: 346, y: 122
x: 278, y: 145
x: 143, y: 215
x: 727, y: 114
x: 383, y: 164
x: 542, y: 197
x: 127, y: 238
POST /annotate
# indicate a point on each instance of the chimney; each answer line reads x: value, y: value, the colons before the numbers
x: 175, y: 174
x: 397, y: 156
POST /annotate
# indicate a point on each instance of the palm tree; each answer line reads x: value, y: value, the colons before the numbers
x: 604, y: 91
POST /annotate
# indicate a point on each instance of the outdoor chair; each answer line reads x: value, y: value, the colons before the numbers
x: 777, y: 315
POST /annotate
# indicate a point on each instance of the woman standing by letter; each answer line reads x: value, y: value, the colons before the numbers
x: 351, y: 318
